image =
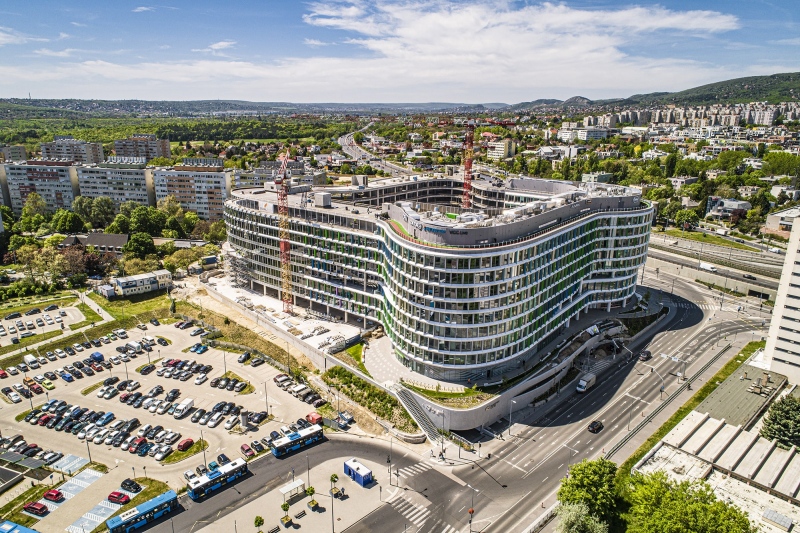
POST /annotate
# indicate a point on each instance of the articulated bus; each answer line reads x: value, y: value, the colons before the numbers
x: 295, y: 441
x: 144, y: 513
x: 217, y: 479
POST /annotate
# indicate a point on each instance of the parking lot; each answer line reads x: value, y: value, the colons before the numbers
x: 22, y: 325
x: 282, y: 405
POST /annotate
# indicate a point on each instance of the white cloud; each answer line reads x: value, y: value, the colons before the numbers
x: 63, y: 35
x: 429, y: 50
x: 791, y: 42
x: 78, y: 24
x: 10, y: 36
x: 67, y: 52
x: 142, y: 9
x: 315, y: 43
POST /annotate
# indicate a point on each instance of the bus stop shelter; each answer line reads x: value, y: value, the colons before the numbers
x: 298, y: 486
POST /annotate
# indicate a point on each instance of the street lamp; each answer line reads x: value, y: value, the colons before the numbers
x: 509, y: 416
x: 472, y: 506
x: 88, y: 450
x: 653, y: 370
x: 202, y: 442
x: 266, y: 398
x: 126, y: 370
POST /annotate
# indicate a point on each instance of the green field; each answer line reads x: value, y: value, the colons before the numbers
x: 89, y: 314
x: 177, y: 456
x: 20, y: 305
x: 150, y: 489
x: 143, y: 306
x: 39, y: 337
x: 706, y: 239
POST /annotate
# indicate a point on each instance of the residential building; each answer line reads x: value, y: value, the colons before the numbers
x: 512, y: 278
x: 788, y: 190
x: 102, y: 242
x: 121, y: 179
x: 500, y: 150
x: 592, y: 134
x: 142, y: 145
x: 55, y: 181
x: 782, y: 353
x: 198, y: 188
x: 12, y: 152
x: 71, y: 149
x: 142, y: 283
x: 782, y: 220
x: 746, y: 191
x: 753, y: 162
x: 597, y: 177
x: 723, y: 207
x: 680, y: 181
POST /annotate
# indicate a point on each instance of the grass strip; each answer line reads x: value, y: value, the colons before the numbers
x: 624, y: 471
x: 707, y: 239
x: 89, y: 315
x: 154, y: 361
x: 24, y: 343
x: 23, y: 414
x: 145, y: 306
x: 150, y: 489
x: 21, y: 305
x: 13, y: 509
x: 178, y: 456
x: 249, y: 389
x: 91, y: 388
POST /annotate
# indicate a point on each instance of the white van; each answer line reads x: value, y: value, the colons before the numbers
x: 297, y: 389
x: 150, y: 341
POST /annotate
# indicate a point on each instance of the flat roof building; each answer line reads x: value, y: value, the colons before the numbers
x: 55, y: 181
x: 121, y: 179
x: 782, y: 353
x: 12, y: 152
x: 68, y: 148
x: 199, y: 189
x: 142, y: 145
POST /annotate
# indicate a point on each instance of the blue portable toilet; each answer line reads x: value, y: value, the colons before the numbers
x: 358, y: 472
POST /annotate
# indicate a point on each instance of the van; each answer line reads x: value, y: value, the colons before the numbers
x: 31, y: 361
x: 282, y: 379
x: 135, y: 346
x: 297, y: 389
x: 183, y: 408
x: 149, y: 340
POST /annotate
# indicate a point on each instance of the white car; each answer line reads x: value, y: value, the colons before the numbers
x: 58, y: 319
x: 215, y: 420
x: 232, y: 422
x: 110, y: 437
x: 92, y: 432
x: 12, y: 370
x: 163, y: 407
x: 161, y: 371
x: 163, y: 452
x: 117, y: 424
x: 100, y: 436
x: 42, y: 361
x: 114, y: 359
x: 85, y: 430
x: 199, y: 380
x: 144, y: 429
x: 14, y: 397
x: 125, y: 358
x: 38, y: 378
x: 189, y: 475
x: 77, y: 347
x: 133, y: 385
x: 148, y: 402
x: 154, y: 406
x: 102, y: 391
x: 61, y: 353
x: 127, y: 443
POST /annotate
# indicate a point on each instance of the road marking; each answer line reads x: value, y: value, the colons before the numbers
x: 545, y: 479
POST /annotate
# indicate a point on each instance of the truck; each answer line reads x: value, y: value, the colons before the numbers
x: 183, y: 408
x: 97, y: 357
x: 722, y: 231
x: 135, y: 346
x: 586, y: 382
x: 707, y: 266
x: 31, y: 361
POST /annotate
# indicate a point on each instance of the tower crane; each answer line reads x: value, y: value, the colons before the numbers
x: 282, y: 182
x: 466, y: 200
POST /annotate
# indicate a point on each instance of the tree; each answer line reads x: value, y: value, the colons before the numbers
x: 126, y: 208
x: 102, y: 212
x: 139, y: 246
x: 200, y: 229
x: 285, y: 508
x: 170, y: 207
x: 591, y: 483
x: 670, y: 164
x: 189, y: 221
x: 121, y: 225
x: 575, y: 518
x: 258, y: 522
x: 660, y: 504
x: 82, y: 206
x: 686, y: 216
x: 67, y: 222
x: 217, y: 232
x: 358, y: 137
x: 782, y: 422
x: 34, y: 205
x: 53, y: 241
x: 173, y: 224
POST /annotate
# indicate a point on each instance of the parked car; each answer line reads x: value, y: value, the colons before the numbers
x: 119, y: 497
x: 247, y: 450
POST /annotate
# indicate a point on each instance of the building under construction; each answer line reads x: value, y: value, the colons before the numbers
x: 463, y: 293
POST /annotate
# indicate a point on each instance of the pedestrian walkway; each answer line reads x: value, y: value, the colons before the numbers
x: 70, y: 489
x: 97, y: 514
x: 414, y: 513
x: 413, y: 470
x: 70, y: 463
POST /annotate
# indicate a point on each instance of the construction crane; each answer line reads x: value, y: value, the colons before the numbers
x: 466, y: 200
x: 283, y: 181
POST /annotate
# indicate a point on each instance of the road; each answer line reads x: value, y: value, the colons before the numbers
x: 356, y: 152
x: 731, y: 274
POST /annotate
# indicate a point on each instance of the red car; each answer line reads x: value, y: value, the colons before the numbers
x: 54, y: 495
x: 3, y: 374
x: 247, y: 450
x: 124, y: 396
x: 97, y: 367
x: 36, y: 508
x: 36, y: 388
x: 279, y: 376
x: 178, y: 324
x: 118, y: 497
x: 45, y: 419
x: 136, y: 443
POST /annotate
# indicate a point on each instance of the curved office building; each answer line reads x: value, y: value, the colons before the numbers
x: 463, y: 294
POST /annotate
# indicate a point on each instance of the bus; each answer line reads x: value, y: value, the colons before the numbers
x: 215, y: 480
x: 143, y: 513
x: 295, y: 441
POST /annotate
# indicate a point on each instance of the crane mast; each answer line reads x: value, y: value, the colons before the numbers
x: 466, y: 200
x: 283, y: 182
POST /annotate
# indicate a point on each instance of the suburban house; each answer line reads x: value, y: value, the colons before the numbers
x: 142, y: 283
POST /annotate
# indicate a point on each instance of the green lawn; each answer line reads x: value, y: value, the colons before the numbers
x: 13, y: 509
x: 23, y: 414
x: 150, y: 489
x: 39, y: 337
x: 89, y: 389
x: 624, y: 471
x: 143, y: 306
x: 20, y: 305
x: 177, y: 456
x: 231, y: 375
x: 357, y: 353
x: 154, y: 361
x: 89, y: 314
x: 707, y: 239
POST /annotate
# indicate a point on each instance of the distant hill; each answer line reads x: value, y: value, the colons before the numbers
x: 774, y: 88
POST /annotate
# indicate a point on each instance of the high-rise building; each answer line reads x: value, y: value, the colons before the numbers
x: 71, y: 149
x: 461, y: 294
x: 12, y: 152
x: 142, y: 145
x: 202, y: 189
x: 121, y: 179
x: 782, y: 352
x: 55, y: 181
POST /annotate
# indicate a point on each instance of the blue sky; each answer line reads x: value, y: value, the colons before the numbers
x: 388, y: 51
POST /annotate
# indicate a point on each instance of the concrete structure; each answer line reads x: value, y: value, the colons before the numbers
x: 12, y: 153
x: 782, y: 352
x: 200, y: 189
x: 462, y: 294
x: 121, y: 179
x: 782, y: 220
x: 723, y: 207
x: 500, y: 150
x: 592, y: 134
x: 142, y: 283
x: 142, y: 145
x: 55, y: 181
x: 680, y: 181
x: 788, y: 190
x: 597, y: 177
x: 69, y: 148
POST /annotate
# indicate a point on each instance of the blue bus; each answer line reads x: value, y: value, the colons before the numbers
x: 215, y: 480
x: 295, y: 441
x: 144, y: 513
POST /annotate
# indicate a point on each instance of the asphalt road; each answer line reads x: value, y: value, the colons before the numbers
x: 733, y: 275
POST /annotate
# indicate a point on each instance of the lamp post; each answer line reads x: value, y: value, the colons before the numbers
x: 653, y: 370
x: 126, y: 370
x: 205, y: 461
x: 472, y: 505
x: 442, y: 437
x: 569, y: 456
x: 145, y: 471
x: 88, y: 450
x: 266, y: 398
x: 509, y: 416
x: 134, y: 471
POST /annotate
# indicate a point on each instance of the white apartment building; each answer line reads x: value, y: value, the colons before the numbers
x: 199, y: 189
x: 783, y: 342
x: 142, y: 145
x: 120, y: 179
x: 499, y: 150
x: 55, y: 181
x: 69, y: 148
x: 592, y: 134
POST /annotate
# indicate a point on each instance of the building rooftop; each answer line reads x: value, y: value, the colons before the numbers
x: 736, y: 399
x: 792, y: 212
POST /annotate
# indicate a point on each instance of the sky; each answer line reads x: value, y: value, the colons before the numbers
x: 471, y: 51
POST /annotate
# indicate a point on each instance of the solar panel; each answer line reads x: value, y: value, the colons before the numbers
x: 11, y: 457
x: 31, y: 463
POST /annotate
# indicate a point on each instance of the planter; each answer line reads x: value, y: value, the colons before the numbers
x: 286, y: 521
x: 312, y: 504
x: 335, y: 492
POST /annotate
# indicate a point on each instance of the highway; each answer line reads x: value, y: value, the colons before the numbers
x: 356, y: 152
x: 731, y: 274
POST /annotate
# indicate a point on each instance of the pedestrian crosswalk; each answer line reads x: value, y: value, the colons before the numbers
x: 413, y: 470
x: 419, y: 515
x: 707, y: 307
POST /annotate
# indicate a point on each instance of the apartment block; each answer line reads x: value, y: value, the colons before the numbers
x: 12, y: 152
x: 199, y: 189
x: 782, y: 352
x: 69, y: 148
x: 142, y: 283
x: 142, y: 145
x: 121, y: 179
x: 55, y: 181
x: 499, y: 150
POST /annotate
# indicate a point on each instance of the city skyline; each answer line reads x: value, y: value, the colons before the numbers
x: 417, y: 51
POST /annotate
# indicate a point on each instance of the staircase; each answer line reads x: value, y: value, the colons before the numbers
x: 417, y: 413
